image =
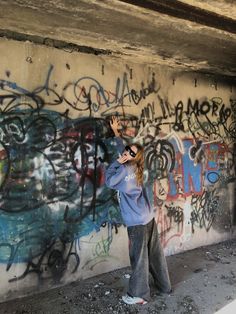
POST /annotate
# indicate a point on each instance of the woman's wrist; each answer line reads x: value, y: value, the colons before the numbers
x: 116, y: 133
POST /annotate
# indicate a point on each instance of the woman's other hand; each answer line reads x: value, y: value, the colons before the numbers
x: 122, y: 159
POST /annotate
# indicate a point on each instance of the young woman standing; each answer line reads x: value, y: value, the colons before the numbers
x: 146, y: 254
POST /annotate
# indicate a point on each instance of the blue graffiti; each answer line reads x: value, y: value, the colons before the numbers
x: 53, y: 187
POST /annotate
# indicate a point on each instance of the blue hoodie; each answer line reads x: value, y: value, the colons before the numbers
x: 134, y: 204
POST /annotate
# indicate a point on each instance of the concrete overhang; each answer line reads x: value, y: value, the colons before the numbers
x: 193, y: 35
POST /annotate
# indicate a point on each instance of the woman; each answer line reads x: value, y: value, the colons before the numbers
x: 126, y: 176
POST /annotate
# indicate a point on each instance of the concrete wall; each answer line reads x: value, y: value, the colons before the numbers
x: 59, y: 222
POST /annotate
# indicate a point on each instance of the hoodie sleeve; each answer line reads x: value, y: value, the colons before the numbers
x: 115, y: 175
x: 120, y: 145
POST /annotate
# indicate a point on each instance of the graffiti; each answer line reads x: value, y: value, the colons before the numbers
x: 52, y: 165
x: 53, y: 259
x: 89, y: 95
x: 176, y: 213
x: 196, y: 152
x: 205, y: 209
x: 160, y: 158
x: 170, y: 222
x: 207, y: 120
x: 145, y: 92
x: 52, y: 179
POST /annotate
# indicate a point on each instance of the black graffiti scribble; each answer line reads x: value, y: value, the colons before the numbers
x: 205, y: 208
x: 160, y: 158
x: 37, y: 138
x: 53, y: 258
x: 145, y: 91
x: 24, y: 141
x: 176, y: 214
x: 205, y: 119
x: 196, y: 152
x: 87, y: 154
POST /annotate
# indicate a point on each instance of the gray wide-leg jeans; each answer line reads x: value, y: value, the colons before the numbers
x: 146, y: 254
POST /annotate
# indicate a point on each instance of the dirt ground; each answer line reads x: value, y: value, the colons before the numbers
x: 203, y: 279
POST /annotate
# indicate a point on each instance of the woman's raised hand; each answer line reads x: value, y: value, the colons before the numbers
x: 115, y: 125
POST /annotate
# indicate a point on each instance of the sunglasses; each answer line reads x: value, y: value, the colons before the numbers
x: 130, y: 151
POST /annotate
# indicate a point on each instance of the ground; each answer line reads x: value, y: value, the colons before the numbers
x: 203, y: 279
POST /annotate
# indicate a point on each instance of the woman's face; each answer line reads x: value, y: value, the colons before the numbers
x: 130, y: 152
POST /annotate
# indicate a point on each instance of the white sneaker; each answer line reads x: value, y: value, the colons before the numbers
x: 133, y: 300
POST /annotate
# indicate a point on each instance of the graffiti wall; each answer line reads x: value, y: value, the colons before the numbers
x: 58, y: 220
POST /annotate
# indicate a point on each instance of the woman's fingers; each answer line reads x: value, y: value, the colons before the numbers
x: 122, y: 159
x: 115, y: 121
